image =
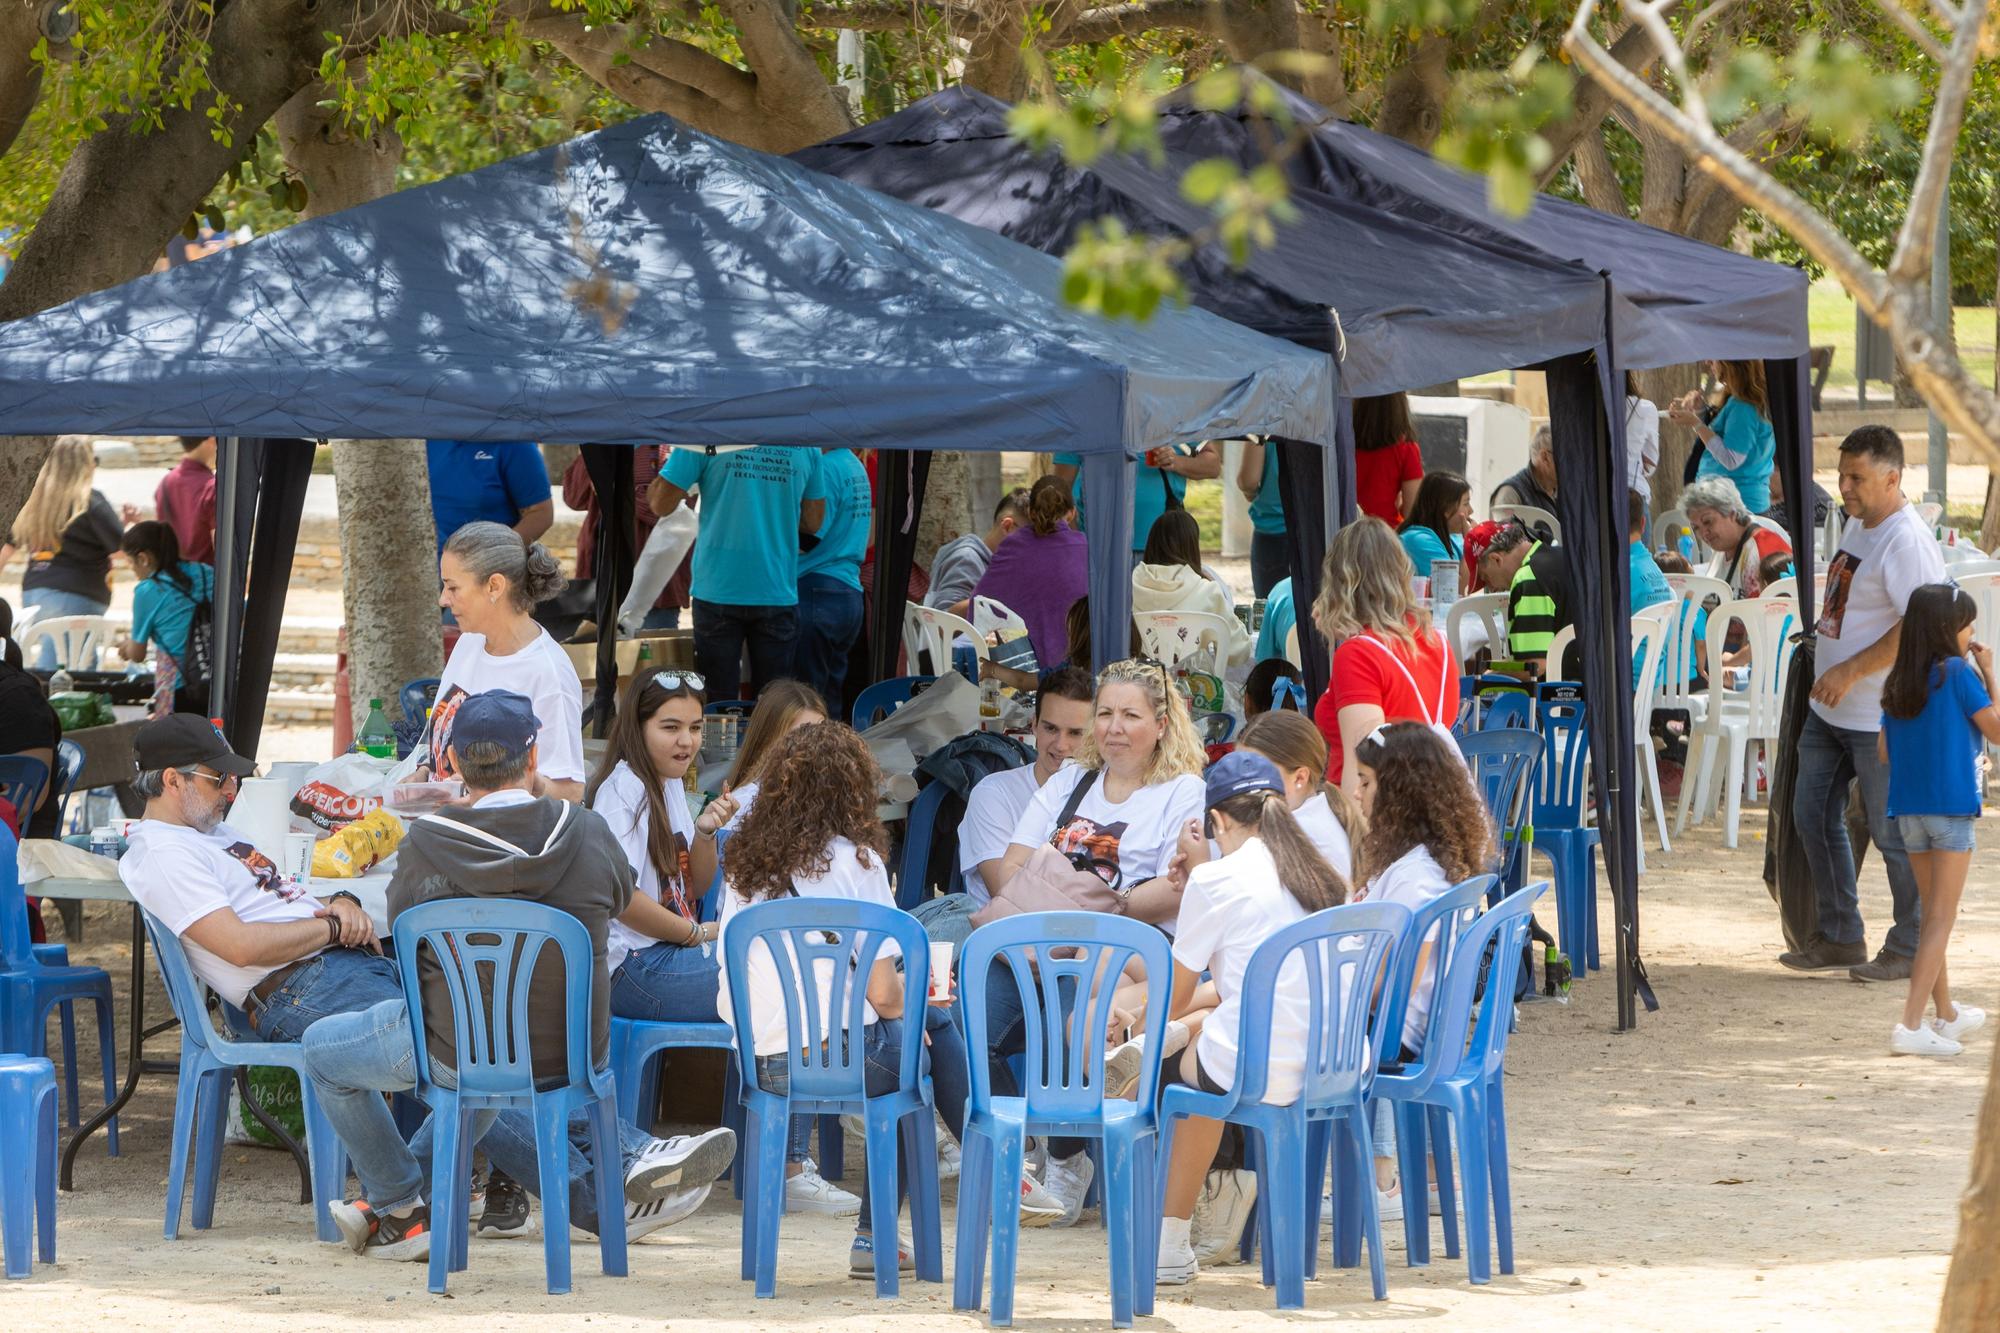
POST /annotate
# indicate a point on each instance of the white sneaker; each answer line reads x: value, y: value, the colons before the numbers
x: 666, y: 1167
x: 1925, y: 1040
x: 809, y: 1192
x: 1177, y: 1264
x: 1968, y: 1021
x: 1389, y: 1205
x: 1125, y: 1063
x: 1039, y: 1208
x: 1326, y: 1210
x: 1221, y: 1214
x: 948, y: 1156
x: 1067, y: 1180
x: 643, y: 1219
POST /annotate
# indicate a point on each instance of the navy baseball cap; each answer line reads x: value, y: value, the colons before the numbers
x: 502, y: 717
x: 1242, y: 771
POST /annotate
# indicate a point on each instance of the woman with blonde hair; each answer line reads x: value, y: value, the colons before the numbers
x: 1389, y: 663
x: 69, y: 532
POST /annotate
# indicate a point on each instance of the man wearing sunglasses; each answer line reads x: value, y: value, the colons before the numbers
x: 277, y: 956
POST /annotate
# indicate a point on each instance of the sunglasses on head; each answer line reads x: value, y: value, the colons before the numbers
x: 675, y: 680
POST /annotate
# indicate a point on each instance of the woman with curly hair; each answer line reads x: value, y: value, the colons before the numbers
x: 1428, y: 829
x: 814, y: 834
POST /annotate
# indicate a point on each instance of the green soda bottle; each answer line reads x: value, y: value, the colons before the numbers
x: 377, y: 738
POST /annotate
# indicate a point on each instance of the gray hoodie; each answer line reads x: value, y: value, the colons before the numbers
x: 540, y: 851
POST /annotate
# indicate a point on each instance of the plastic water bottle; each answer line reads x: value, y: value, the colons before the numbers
x: 61, y: 682
x: 377, y: 738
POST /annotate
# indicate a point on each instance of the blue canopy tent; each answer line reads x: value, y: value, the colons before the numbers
x: 643, y: 283
x: 1428, y: 284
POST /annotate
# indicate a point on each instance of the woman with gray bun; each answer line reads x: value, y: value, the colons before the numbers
x: 492, y: 581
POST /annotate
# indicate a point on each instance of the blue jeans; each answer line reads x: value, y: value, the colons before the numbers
x: 721, y: 632
x: 667, y: 983
x: 1937, y: 833
x: 829, y: 623
x: 662, y: 617
x: 1830, y: 758
x: 338, y: 981
x: 53, y: 602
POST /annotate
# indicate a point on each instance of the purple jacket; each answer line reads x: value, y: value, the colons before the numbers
x: 1037, y: 578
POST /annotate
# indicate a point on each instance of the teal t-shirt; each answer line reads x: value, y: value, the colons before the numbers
x: 843, y: 535
x: 1149, y: 497
x: 1267, y: 511
x: 1279, y: 617
x: 1422, y: 546
x: 1748, y: 438
x: 162, y: 612
x: 748, y: 550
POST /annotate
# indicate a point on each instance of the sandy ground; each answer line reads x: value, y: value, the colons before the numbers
x: 1749, y: 1158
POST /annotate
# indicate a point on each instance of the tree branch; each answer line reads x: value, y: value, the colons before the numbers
x: 887, y: 15
x: 1597, y: 177
x: 595, y: 48
x: 802, y: 106
x: 1109, y: 21
x: 1912, y: 258
x: 1632, y: 48
x: 1913, y: 28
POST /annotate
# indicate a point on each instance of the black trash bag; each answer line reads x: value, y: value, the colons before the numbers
x: 1786, y: 873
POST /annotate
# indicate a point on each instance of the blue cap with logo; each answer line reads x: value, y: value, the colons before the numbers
x: 502, y: 717
x: 1242, y: 771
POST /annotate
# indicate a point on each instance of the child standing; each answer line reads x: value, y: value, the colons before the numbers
x: 1935, y: 708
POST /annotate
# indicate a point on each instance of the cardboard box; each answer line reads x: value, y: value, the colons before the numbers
x: 671, y: 648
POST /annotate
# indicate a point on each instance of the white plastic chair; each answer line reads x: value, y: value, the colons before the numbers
x: 1783, y: 588
x: 1552, y: 665
x: 927, y: 629
x: 1531, y: 518
x: 1984, y: 589
x: 1930, y: 511
x: 1649, y: 641
x: 1965, y: 569
x: 1171, y: 635
x: 990, y: 617
x: 77, y: 639
x: 1679, y: 660
x: 1486, y: 610
x: 1740, y: 717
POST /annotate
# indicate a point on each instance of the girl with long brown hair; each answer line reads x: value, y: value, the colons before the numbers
x: 783, y: 707
x: 1327, y: 815
x: 1734, y: 436
x: 814, y: 834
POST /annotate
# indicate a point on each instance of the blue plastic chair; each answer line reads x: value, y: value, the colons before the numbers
x: 883, y: 698
x: 917, y: 836
x: 503, y: 939
x: 826, y: 1071
x: 1560, y: 830
x: 1464, y: 1079
x: 1063, y: 1094
x: 28, y: 1186
x: 30, y: 988
x: 1503, y: 761
x: 1442, y: 922
x: 22, y: 781
x: 1342, y: 951
x: 209, y: 1061
x: 69, y: 767
x: 417, y: 696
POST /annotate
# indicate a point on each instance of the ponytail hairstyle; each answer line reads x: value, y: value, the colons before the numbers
x: 778, y: 707
x: 156, y: 539
x: 486, y: 549
x: 1180, y: 751
x: 1423, y: 798
x: 1938, y: 613
x: 646, y: 695
x: 1292, y: 742
x: 1301, y: 869
x: 1049, y: 503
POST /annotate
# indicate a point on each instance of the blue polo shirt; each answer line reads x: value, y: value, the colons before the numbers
x: 1267, y: 511
x: 1149, y: 497
x: 748, y: 552
x: 1933, y: 757
x: 843, y: 534
x: 474, y: 481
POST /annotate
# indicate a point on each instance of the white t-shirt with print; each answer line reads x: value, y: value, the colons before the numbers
x: 542, y: 672
x: 1320, y: 824
x: 1415, y: 878
x: 1868, y: 588
x: 1232, y: 906
x: 1139, y: 833
x: 622, y: 801
x: 181, y: 875
x: 845, y: 877
x: 992, y: 813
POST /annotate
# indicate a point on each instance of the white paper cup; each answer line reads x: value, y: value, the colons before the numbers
x: 299, y: 855
x: 940, y: 969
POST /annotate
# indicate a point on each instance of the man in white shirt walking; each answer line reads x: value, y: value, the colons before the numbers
x: 1883, y: 558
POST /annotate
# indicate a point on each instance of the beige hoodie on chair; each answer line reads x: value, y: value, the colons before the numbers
x: 1178, y: 588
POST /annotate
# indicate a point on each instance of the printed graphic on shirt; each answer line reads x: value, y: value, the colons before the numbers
x: 265, y: 871
x: 1087, y: 838
x: 676, y: 885
x: 1839, y: 581
x: 438, y: 734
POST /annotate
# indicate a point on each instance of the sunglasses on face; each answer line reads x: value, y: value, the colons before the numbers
x: 220, y: 780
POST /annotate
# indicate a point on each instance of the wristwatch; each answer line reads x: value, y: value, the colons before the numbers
x: 343, y: 893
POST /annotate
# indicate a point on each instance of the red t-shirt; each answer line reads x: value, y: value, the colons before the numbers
x: 185, y: 502
x: 1379, y: 475
x: 1366, y: 672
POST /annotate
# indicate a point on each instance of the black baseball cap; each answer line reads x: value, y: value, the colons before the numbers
x: 182, y: 740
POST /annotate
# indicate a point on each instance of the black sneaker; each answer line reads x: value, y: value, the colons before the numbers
x: 507, y: 1212
x: 374, y: 1235
x: 1885, y: 966
x: 1823, y: 955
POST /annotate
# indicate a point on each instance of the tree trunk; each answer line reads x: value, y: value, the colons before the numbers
x: 947, y: 506
x: 388, y: 541
x: 1972, y: 1287
x: 1414, y: 97
x: 1661, y: 387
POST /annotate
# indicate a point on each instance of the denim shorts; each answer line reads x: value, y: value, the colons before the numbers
x: 1936, y: 833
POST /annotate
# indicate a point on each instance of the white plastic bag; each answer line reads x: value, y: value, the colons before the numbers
x: 668, y: 544
x: 340, y: 791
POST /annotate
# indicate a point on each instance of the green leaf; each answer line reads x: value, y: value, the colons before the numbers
x: 1206, y: 180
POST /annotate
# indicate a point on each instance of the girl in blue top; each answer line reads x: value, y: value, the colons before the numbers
x: 1935, y: 709
x: 1438, y: 518
x: 164, y: 604
x: 1736, y: 438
